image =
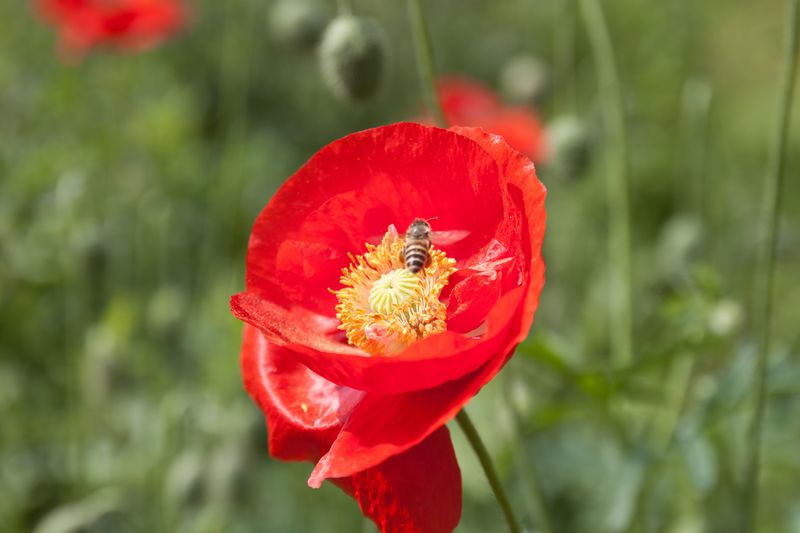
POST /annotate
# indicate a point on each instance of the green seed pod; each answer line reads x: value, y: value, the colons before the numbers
x: 351, y: 57
x: 570, y: 146
x: 525, y: 79
x: 298, y: 23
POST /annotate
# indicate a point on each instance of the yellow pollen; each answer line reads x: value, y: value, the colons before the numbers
x: 383, y: 307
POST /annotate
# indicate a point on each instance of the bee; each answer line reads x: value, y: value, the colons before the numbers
x: 416, y: 252
x: 418, y: 241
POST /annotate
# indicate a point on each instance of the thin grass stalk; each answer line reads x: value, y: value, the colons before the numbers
x: 619, y: 243
x: 425, y: 66
x: 766, y: 261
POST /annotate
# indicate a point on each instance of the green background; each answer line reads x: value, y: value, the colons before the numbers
x: 128, y: 184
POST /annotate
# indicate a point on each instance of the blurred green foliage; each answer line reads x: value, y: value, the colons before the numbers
x: 128, y: 184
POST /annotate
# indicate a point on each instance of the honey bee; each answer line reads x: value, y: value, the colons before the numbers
x: 418, y: 241
x: 416, y: 252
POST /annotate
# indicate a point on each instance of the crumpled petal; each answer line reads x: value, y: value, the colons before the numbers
x: 418, y: 490
x: 528, y: 193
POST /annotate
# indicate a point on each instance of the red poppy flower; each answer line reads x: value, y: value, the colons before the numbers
x: 357, y: 363
x: 467, y: 103
x: 129, y: 24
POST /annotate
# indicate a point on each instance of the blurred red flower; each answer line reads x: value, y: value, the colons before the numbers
x: 127, y: 24
x: 371, y: 413
x: 467, y: 103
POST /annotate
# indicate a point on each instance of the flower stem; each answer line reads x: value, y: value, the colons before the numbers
x: 772, y: 205
x: 617, y: 182
x: 424, y: 55
x: 488, y: 468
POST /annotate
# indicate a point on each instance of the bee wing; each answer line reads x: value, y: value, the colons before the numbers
x: 376, y: 239
x: 444, y: 238
x: 441, y: 238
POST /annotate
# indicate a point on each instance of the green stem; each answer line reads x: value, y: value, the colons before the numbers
x: 772, y: 205
x: 488, y: 468
x: 618, y: 203
x: 566, y: 97
x: 424, y: 55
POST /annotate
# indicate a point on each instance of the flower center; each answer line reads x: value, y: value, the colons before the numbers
x: 383, y: 307
x: 392, y: 289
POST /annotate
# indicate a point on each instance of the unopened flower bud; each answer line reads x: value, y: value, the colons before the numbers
x: 570, y: 146
x: 525, y: 79
x: 351, y: 57
x: 298, y: 23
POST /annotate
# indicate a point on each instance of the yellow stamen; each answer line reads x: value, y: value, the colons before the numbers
x: 383, y: 307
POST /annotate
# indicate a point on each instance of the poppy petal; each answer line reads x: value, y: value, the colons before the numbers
x: 462, y: 98
x: 418, y: 490
x: 304, y: 412
x: 384, y: 425
x: 130, y: 24
x: 470, y: 104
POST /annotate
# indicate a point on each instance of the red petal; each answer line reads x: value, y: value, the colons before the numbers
x: 480, y: 282
x: 467, y: 103
x: 133, y: 24
x: 462, y: 98
x: 415, y: 491
x: 304, y: 411
x: 418, y: 491
x: 382, y: 426
x: 520, y: 128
